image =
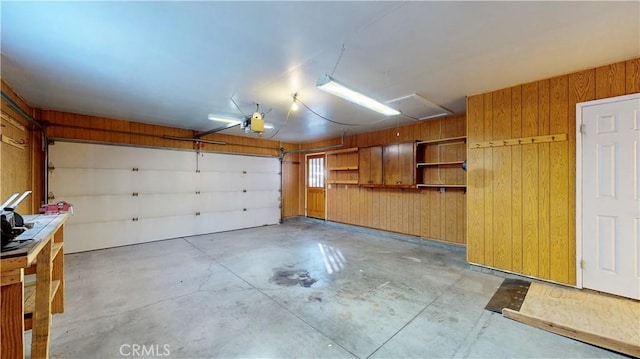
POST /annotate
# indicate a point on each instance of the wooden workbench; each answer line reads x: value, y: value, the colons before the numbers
x: 29, y: 305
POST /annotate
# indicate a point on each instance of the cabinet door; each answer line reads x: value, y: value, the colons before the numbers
x: 364, y: 170
x: 370, y: 165
x: 407, y: 163
x: 375, y: 165
x: 399, y: 164
x: 391, y: 164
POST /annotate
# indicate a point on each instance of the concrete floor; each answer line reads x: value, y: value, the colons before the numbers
x: 216, y: 296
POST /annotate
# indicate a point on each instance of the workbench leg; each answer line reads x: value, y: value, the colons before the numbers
x: 42, y: 313
x: 57, y: 306
x: 12, y: 316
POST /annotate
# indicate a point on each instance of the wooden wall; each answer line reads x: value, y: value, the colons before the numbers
x: 90, y: 128
x: 426, y: 213
x: 20, y: 168
x: 521, y: 199
x: 293, y: 191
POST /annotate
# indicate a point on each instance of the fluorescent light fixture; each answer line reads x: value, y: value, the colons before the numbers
x: 328, y: 84
x: 231, y: 122
x: 268, y: 126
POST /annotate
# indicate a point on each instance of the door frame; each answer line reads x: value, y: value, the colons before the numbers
x: 306, y: 181
x: 579, y: 204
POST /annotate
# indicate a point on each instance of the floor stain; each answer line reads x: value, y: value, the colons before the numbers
x: 291, y: 277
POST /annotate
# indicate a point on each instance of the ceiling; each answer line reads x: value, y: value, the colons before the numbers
x: 173, y: 63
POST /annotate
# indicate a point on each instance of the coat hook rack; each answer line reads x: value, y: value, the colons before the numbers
x: 520, y: 141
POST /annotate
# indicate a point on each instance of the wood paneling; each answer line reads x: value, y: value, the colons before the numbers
x: 291, y: 185
x: 610, y: 80
x: 521, y: 199
x: 632, y: 76
x: 516, y: 179
x: 427, y: 213
x: 502, y: 238
x: 475, y: 182
x: 530, y: 230
x: 559, y: 181
x: 20, y: 166
x: 80, y: 127
x: 543, y: 180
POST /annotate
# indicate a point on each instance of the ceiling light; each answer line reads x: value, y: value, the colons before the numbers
x: 294, y: 105
x: 328, y: 84
x: 225, y: 120
x: 268, y: 126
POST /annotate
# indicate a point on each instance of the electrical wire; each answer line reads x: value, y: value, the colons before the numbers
x: 338, y: 122
x: 337, y: 62
x: 284, y: 123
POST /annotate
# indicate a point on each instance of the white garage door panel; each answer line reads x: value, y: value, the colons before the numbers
x: 90, y: 236
x: 148, y: 159
x: 263, y: 181
x: 230, y: 192
x: 68, y: 181
x: 218, y: 222
x: 154, y: 181
x: 119, y: 157
x: 162, y: 205
x: 259, y: 199
x: 216, y: 162
x: 221, y: 201
x: 265, y: 199
x: 91, y: 209
x: 153, y: 229
x: 221, y: 181
x: 261, y: 216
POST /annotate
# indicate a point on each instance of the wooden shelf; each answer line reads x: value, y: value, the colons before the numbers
x: 30, y: 295
x: 439, y: 163
x: 388, y: 186
x: 442, y: 140
x: 430, y: 185
x: 424, y: 164
x: 343, y: 182
x: 346, y: 168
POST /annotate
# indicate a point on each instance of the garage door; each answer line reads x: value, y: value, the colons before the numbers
x: 127, y: 195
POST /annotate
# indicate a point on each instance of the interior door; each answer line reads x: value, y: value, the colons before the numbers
x: 316, y: 186
x: 610, y: 196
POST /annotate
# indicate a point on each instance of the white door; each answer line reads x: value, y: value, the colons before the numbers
x: 610, y: 195
x: 127, y: 195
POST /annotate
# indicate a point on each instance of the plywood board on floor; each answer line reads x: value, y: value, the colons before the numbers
x: 606, y: 321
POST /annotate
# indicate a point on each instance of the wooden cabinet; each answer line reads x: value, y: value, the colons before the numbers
x: 370, y: 165
x: 342, y: 166
x: 399, y: 164
x: 439, y: 162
